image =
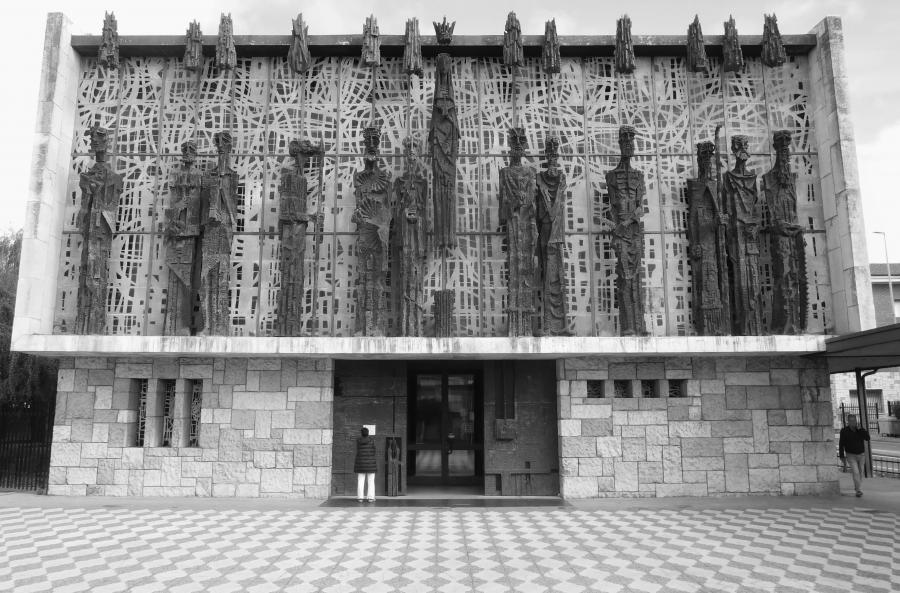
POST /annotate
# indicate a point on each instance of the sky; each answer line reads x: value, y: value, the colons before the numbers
x: 869, y: 27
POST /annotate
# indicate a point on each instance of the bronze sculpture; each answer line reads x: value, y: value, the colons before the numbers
x: 513, y: 55
x: 409, y: 243
x: 193, y: 47
x: 787, y: 246
x: 293, y: 222
x: 372, y: 187
x: 226, y: 56
x: 517, y: 217
x: 743, y: 209
x: 298, y: 54
x: 626, y: 193
x: 101, y: 188
x: 412, y: 50
x: 732, y: 55
x: 182, y: 257
x: 443, y: 141
x: 624, y: 52
x: 550, y: 209
x: 708, y: 256
x: 773, y: 53
x: 442, y: 309
x: 550, y: 60
x: 217, y: 220
x: 108, y: 55
x: 696, y: 48
x: 371, y: 42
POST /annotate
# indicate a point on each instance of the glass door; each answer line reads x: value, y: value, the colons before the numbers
x: 445, y: 440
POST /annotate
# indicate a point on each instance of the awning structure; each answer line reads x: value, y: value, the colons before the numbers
x: 872, y: 349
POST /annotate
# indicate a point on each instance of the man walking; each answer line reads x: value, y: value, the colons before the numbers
x: 852, y: 447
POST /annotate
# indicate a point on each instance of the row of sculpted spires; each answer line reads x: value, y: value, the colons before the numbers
x: 728, y: 219
x: 773, y: 52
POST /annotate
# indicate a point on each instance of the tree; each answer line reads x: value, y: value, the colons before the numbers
x: 25, y: 380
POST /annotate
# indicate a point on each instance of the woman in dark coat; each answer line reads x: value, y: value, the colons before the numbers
x: 364, y: 466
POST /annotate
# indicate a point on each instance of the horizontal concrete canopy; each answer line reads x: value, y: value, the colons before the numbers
x: 877, y: 348
x: 418, y: 348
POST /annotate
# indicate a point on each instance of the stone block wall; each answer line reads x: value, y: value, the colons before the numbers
x: 744, y: 426
x: 265, y: 429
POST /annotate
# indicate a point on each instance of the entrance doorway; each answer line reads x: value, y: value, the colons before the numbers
x: 445, y: 428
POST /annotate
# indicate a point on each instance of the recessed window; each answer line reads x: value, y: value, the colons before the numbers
x: 677, y: 388
x: 622, y: 388
x: 594, y: 388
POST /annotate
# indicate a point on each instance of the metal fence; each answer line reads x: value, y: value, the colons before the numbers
x: 26, y: 433
x: 874, y: 410
x: 882, y: 467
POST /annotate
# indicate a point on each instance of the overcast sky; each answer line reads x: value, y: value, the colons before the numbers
x: 869, y: 26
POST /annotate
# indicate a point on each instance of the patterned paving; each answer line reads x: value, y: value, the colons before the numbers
x: 491, y: 550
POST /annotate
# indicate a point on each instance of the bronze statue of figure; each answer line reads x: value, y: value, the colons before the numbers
x: 708, y: 256
x: 786, y: 239
x: 550, y: 59
x: 226, y: 56
x: 743, y: 210
x: 550, y: 206
x: 517, y: 216
x: 513, y: 55
x: 193, y: 47
x: 217, y: 219
x: 412, y: 49
x: 443, y: 142
x: 409, y: 243
x: 732, y: 55
x: 696, y: 48
x: 182, y: 256
x: 624, y: 51
x: 626, y: 195
x: 773, y: 53
x: 108, y: 55
x: 101, y: 188
x: 293, y: 222
x: 298, y: 55
x: 371, y: 43
x: 372, y: 188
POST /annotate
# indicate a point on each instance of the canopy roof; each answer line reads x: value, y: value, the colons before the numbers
x: 872, y: 349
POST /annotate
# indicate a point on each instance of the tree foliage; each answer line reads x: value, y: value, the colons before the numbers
x: 25, y: 380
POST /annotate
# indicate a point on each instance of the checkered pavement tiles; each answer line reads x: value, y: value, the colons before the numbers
x: 448, y: 551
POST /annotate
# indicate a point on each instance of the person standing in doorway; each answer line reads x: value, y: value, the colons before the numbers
x: 852, y: 448
x: 364, y: 466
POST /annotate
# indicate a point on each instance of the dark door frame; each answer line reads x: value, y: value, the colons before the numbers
x: 446, y: 368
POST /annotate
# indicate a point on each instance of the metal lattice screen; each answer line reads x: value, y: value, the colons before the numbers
x: 154, y: 104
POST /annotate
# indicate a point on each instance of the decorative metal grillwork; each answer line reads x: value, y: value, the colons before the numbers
x: 621, y: 388
x: 196, y: 402
x: 140, y: 386
x: 649, y: 388
x: 594, y: 388
x: 676, y: 388
x: 152, y: 105
x: 168, y: 412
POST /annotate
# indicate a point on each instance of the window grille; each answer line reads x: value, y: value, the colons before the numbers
x: 594, y: 388
x: 196, y: 401
x: 140, y: 386
x: 648, y: 388
x: 676, y: 388
x: 168, y: 412
x: 622, y: 388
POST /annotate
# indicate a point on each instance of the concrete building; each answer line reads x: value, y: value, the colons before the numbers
x: 589, y: 414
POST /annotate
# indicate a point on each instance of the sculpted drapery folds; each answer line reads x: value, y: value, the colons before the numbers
x: 626, y: 194
x: 443, y: 142
x: 409, y: 242
x: 513, y: 55
x: 293, y: 223
x: 372, y: 187
x: 217, y: 221
x: 709, y: 260
x: 182, y: 256
x: 786, y: 243
x: 550, y: 205
x: 101, y: 188
x: 517, y: 216
x: 744, y: 213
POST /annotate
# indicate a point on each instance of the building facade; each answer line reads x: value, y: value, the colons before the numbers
x: 495, y: 263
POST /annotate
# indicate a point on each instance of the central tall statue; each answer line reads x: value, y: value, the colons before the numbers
x: 787, y: 246
x: 409, y: 242
x: 551, y: 218
x: 182, y: 232
x: 101, y: 188
x: 443, y: 141
x: 709, y: 260
x: 372, y: 188
x: 744, y: 211
x: 517, y: 215
x: 626, y: 195
x: 293, y: 222
x: 218, y: 191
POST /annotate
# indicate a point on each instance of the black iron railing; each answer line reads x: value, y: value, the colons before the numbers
x: 26, y: 434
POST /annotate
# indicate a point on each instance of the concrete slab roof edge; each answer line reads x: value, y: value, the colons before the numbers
x: 418, y: 348
x: 463, y: 45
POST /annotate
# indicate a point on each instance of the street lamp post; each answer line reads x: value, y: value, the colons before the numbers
x: 887, y: 262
